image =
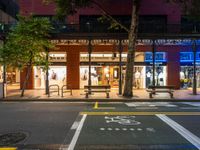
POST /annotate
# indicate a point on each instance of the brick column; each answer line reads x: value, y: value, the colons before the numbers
x: 30, y: 84
x: 173, y: 68
x: 73, y: 69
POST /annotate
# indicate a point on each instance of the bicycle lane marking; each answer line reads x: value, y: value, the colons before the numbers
x: 143, y: 131
x: 181, y: 130
x: 77, y: 133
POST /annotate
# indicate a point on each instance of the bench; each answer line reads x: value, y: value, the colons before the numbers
x: 98, y: 89
x: 160, y: 89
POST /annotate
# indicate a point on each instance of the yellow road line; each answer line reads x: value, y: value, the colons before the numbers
x: 8, y: 148
x: 140, y: 113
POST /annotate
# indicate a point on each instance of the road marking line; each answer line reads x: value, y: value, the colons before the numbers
x: 146, y: 108
x: 105, y: 108
x: 96, y: 105
x: 8, y: 148
x: 75, y: 125
x: 191, y: 108
x: 77, y: 133
x: 139, y: 113
x: 196, y: 104
x: 181, y: 130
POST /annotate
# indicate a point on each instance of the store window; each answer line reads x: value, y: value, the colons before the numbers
x: 57, y: 75
x: 187, y: 70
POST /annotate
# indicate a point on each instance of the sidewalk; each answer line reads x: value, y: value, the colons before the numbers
x: 13, y: 94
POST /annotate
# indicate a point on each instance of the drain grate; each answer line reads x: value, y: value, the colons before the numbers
x: 12, y: 138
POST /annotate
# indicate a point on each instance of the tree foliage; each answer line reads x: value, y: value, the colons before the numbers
x: 26, y: 41
x: 26, y: 45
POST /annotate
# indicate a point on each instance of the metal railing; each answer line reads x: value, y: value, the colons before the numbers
x: 65, y: 90
x: 57, y: 89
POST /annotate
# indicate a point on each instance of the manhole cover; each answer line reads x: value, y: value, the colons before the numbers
x: 12, y: 138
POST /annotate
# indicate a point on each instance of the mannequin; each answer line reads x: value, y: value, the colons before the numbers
x: 148, y: 78
x: 137, y: 79
x: 161, y: 78
x: 182, y: 76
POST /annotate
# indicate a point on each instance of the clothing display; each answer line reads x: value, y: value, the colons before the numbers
x: 148, y: 78
x: 137, y: 79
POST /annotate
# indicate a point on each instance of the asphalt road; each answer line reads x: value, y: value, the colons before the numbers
x: 89, y: 126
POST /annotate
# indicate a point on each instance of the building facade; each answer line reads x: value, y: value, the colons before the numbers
x: 82, y: 34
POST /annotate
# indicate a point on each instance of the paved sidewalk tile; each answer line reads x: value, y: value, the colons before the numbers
x: 13, y: 93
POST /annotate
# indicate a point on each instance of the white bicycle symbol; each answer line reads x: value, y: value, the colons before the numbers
x: 123, y: 120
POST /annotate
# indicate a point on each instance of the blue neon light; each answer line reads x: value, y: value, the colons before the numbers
x: 159, y: 57
x: 189, y: 56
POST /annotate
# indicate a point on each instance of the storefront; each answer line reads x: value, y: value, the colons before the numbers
x: 186, y: 73
x: 160, y: 68
x: 57, y: 71
x: 105, y: 69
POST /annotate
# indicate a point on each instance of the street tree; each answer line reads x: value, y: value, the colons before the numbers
x: 26, y: 45
x: 69, y: 7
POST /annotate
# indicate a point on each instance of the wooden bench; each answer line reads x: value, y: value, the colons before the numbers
x: 160, y: 89
x: 98, y: 89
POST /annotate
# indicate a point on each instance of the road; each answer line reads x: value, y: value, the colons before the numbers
x: 97, y: 126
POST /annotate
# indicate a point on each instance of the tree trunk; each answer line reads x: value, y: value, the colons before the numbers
x: 26, y: 79
x: 128, y: 88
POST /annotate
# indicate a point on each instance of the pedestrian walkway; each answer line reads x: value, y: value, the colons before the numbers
x: 13, y: 93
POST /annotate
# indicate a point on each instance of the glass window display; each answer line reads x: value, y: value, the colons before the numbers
x: 139, y: 81
x: 57, y: 75
x: 95, y: 76
x: 160, y: 75
x: 186, y: 76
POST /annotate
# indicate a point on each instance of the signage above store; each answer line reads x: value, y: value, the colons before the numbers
x: 159, y: 57
x: 189, y: 56
x: 125, y: 42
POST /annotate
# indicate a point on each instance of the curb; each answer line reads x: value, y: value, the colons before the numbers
x: 96, y: 100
